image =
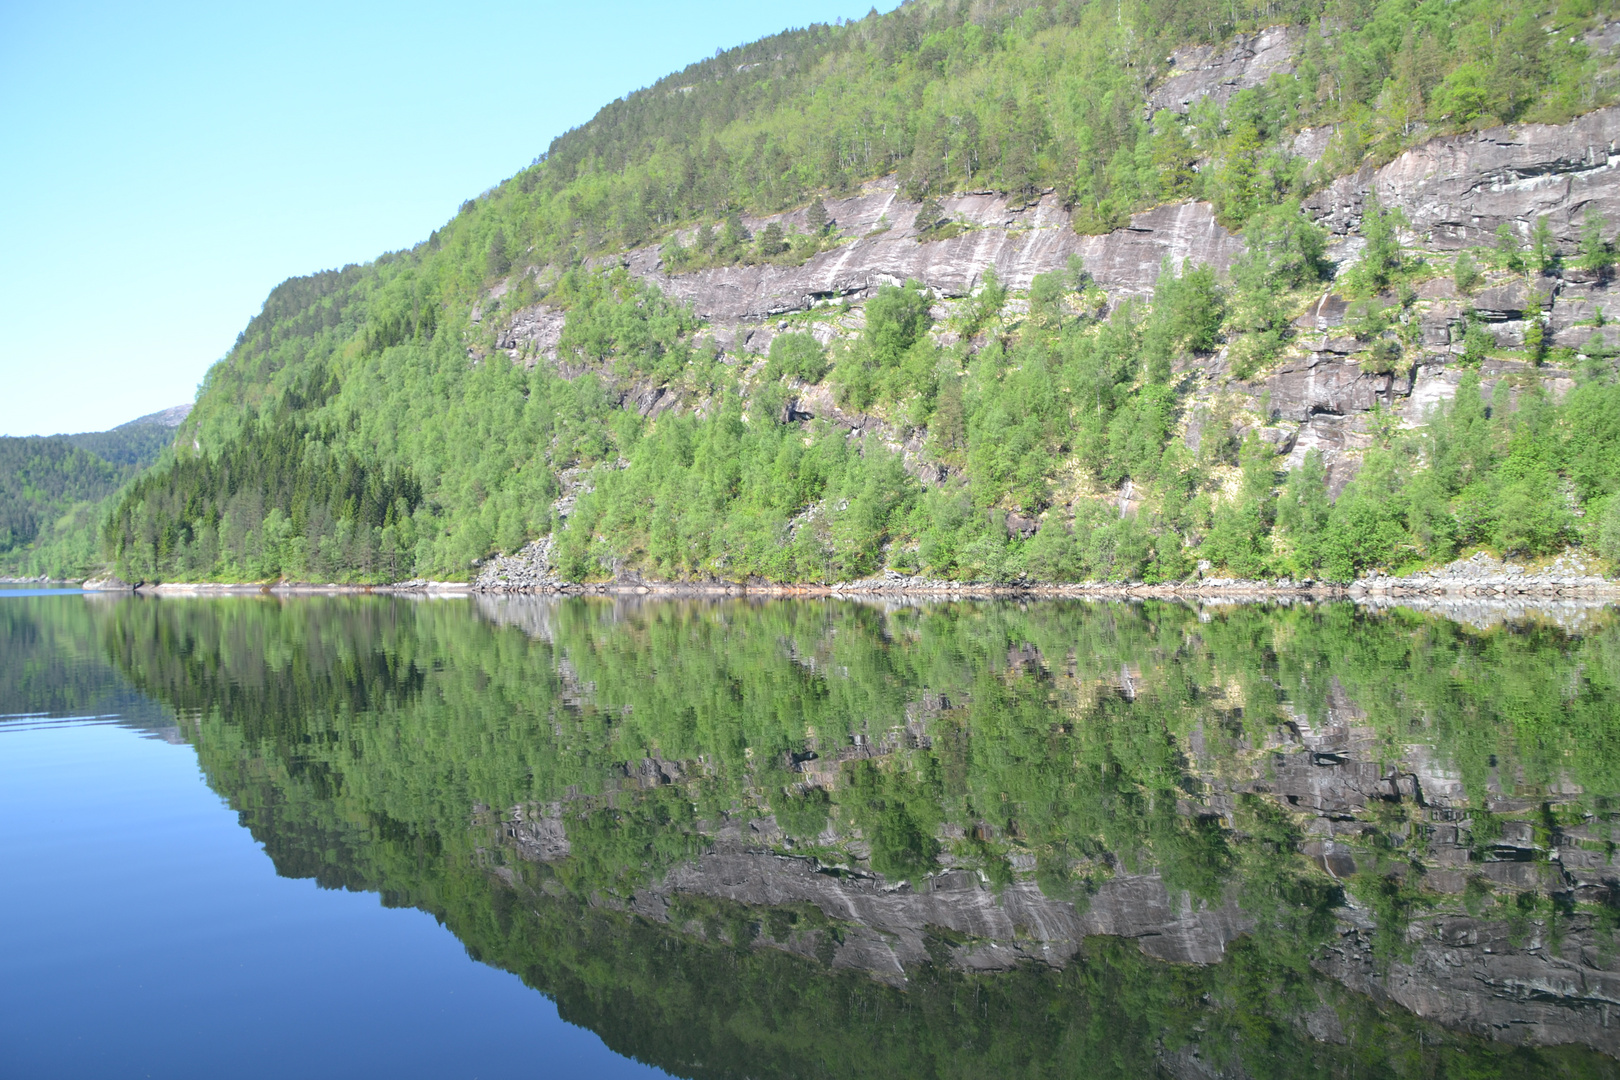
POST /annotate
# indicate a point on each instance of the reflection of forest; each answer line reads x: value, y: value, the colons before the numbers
x: 787, y: 839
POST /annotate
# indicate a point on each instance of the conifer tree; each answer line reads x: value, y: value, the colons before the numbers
x: 928, y: 216
x: 1597, y: 254
x: 1509, y: 254
x: 496, y: 261
x: 771, y: 240
x: 1543, y: 248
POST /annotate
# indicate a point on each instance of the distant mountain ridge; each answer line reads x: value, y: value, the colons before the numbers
x: 137, y: 442
x: 51, y: 487
x: 171, y: 417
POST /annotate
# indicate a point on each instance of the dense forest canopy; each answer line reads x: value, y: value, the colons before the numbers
x: 52, y: 489
x: 1039, y: 408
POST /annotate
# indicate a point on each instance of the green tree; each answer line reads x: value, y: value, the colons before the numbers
x: 496, y: 260
x: 1240, y: 538
x: 1302, y: 515
x: 797, y: 356
x: 1367, y: 526
x: 1597, y: 253
x: 893, y: 357
x: 815, y: 217
x: 1509, y: 252
x: 772, y: 240
x: 1543, y: 247
x: 929, y: 216
x: 1185, y: 317
x: 1046, y: 294
x: 1465, y: 272
x: 1381, y: 260
x: 732, y: 236
x: 986, y: 303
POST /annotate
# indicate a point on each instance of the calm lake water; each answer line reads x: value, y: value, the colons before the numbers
x: 362, y: 836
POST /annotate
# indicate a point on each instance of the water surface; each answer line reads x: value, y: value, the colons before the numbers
x: 143, y: 932
x: 804, y: 839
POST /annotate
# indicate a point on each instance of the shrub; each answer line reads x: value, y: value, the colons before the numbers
x: 796, y: 356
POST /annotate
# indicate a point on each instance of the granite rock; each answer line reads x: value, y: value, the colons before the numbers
x: 1219, y: 71
x: 1019, y: 240
x: 1457, y: 190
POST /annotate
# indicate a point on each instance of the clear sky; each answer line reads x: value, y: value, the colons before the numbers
x: 162, y: 166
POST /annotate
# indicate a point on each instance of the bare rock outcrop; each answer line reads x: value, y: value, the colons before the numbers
x: 110, y: 583
x: 532, y: 334
x: 1219, y: 71
x: 1456, y: 191
x: 1329, y: 380
x: 1019, y: 240
x: 1480, y: 976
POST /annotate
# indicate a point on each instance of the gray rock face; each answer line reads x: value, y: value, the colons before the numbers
x: 1514, y: 299
x: 1456, y: 191
x: 173, y: 416
x: 1326, y: 314
x: 1219, y: 71
x: 1019, y: 242
x: 1326, y: 380
x: 1577, y: 308
x: 532, y: 334
x: 109, y: 583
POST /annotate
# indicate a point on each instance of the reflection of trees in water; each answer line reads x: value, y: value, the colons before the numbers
x: 276, y: 668
x: 1062, y: 751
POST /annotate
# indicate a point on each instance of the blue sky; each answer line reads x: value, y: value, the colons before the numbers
x: 165, y: 165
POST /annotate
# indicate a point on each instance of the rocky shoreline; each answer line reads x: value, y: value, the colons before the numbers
x: 1480, y: 579
x: 1483, y: 577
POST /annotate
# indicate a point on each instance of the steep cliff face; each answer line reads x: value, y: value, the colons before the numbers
x: 882, y: 246
x: 1455, y: 192
x: 1020, y: 241
x: 1219, y: 71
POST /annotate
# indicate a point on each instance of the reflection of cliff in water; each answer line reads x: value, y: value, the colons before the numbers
x: 815, y: 838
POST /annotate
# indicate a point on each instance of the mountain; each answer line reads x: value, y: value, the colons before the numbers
x: 989, y: 291
x: 51, y: 488
x: 137, y: 443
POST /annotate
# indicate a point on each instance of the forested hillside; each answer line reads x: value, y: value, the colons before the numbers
x: 52, y: 489
x: 535, y: 368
